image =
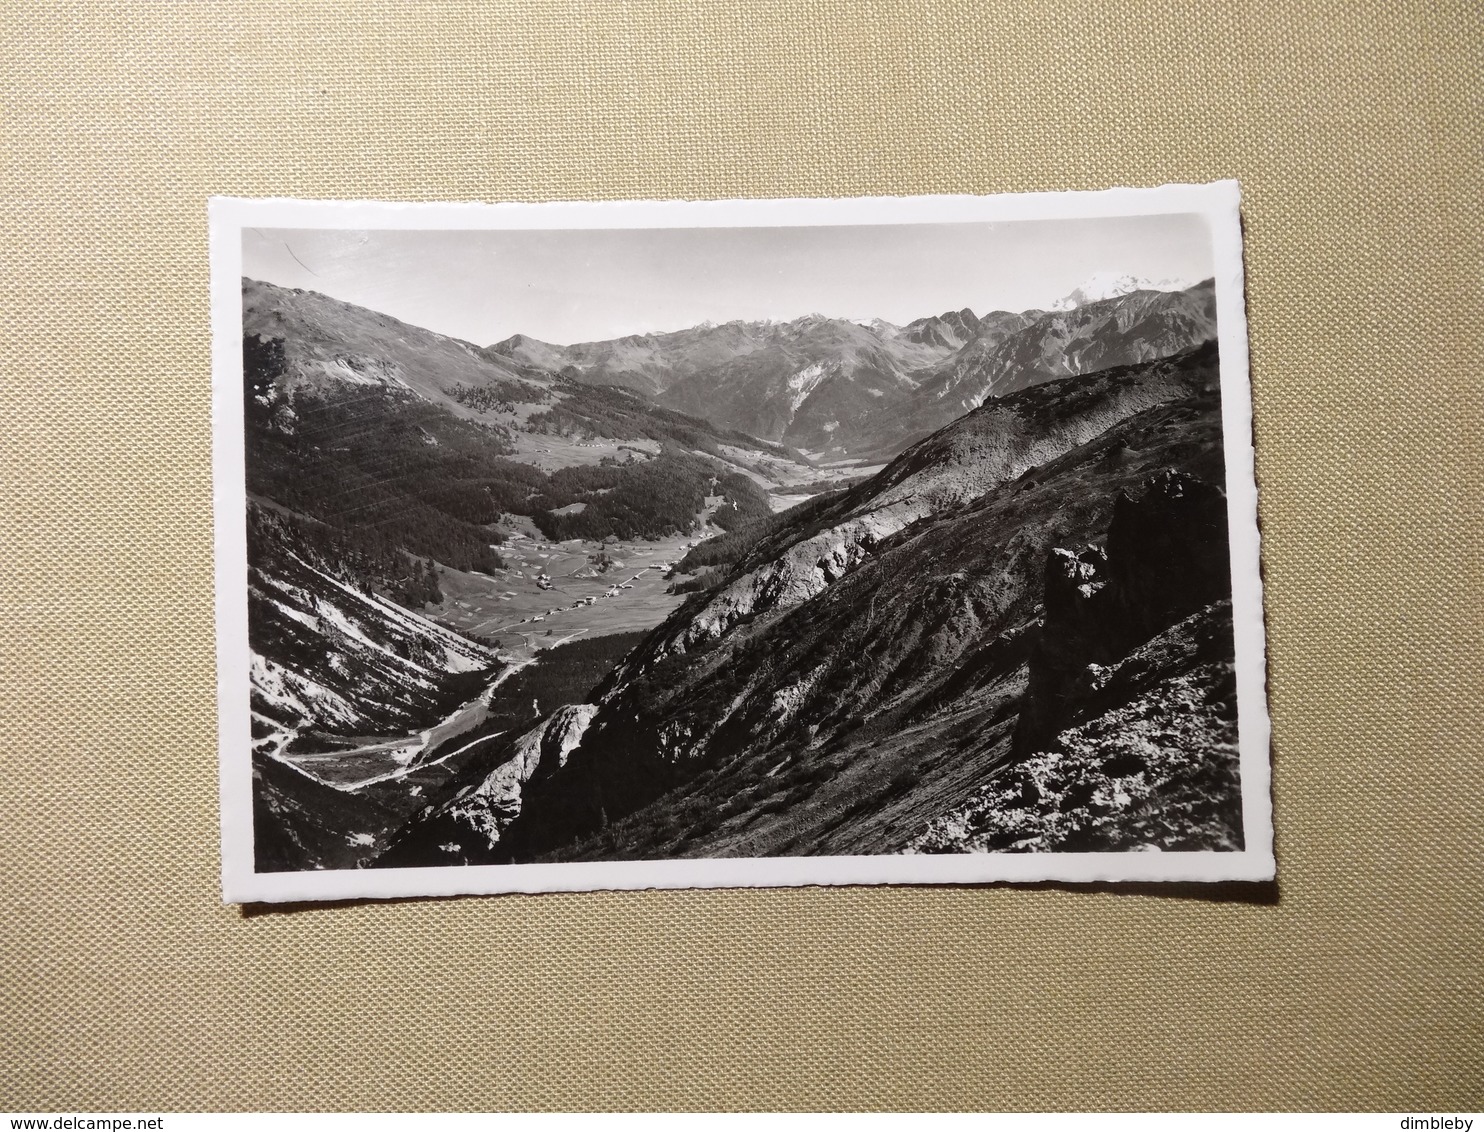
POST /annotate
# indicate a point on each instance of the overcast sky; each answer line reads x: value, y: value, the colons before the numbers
x: 579, y: 286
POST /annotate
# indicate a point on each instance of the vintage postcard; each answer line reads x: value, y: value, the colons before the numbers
x: 700, y: 544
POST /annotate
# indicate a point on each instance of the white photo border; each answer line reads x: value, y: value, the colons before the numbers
x: 1217, y: 202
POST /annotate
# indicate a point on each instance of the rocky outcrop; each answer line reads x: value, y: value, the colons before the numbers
x: 466, y: 829
x: 1166, y: 556
x: 1157, y: 769
x: 1126, y: 737
x: 492, y: 805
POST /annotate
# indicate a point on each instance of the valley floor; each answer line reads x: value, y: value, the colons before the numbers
x: 355, y: 762
x: 505, y: 606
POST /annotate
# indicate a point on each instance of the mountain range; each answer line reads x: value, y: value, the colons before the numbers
x: 839, y: 389
x: 961, y: 585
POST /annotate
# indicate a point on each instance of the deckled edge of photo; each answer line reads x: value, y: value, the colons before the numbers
x: 1218, y: 202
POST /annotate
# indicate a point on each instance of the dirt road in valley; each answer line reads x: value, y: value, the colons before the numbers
x: 526, y: 620
x: 380, y: 759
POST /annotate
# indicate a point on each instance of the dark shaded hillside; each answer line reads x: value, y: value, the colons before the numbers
x: 648, y: 499
x: 390, y: 471
x: 382, y: 466
x: 529, y: 720
x: 333, y: 656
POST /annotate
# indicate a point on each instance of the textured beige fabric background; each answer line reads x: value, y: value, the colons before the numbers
x: 1356, y: 131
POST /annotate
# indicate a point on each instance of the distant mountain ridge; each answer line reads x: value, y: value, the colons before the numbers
x: 837, y: 388
x: 1108, y: 285
x: 831, y: 388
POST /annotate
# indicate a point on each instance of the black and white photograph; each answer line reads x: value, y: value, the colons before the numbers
x: 635, y: 545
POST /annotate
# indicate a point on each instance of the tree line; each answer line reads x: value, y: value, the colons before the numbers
x: 393, y: 478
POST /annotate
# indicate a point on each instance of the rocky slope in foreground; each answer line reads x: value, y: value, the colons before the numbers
x: 1126, y: 735
x: 895, y: 670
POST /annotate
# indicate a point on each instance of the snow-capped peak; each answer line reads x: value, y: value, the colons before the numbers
x: 1111, y: 284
